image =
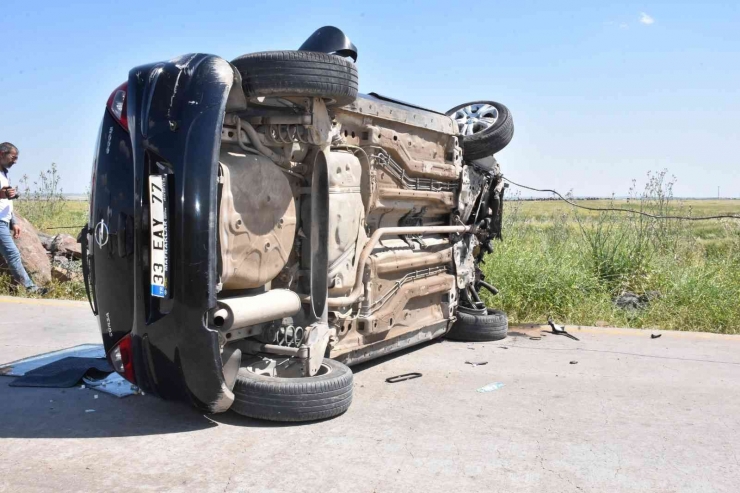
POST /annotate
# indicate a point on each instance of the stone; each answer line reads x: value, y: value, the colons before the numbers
x: 65, y: 270
x: 46, y: 240
x: 63, y: 275
x: 629, y: 301
x: 649, y: 296
x: 66, y: 245
x: 632, y: 302
x: 33, y: 253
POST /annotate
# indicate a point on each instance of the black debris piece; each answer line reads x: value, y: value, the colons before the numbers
x: 403, y: 378
x: 64, y: 373
x: 559, y: 330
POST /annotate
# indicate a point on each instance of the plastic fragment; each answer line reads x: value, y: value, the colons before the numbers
x: 491, y: 387
x: 89, y: 410
x: 476, y: 363
x: 95, y: 396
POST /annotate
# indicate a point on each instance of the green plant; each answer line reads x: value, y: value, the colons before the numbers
x: 43, y: 204
x: 572, y: 265
x: 42, y: 199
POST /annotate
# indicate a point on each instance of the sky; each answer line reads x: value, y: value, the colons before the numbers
x: 600, y: 93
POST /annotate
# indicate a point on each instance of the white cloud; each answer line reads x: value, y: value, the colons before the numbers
x: 646, y: 19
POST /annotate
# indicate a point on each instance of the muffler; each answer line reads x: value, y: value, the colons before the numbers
x: 243, y: 311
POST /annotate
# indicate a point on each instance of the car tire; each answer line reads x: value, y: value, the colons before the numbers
x: 474, y: 326
x: 298, y: 74
x: 485, y: 142
x: 323, y: 396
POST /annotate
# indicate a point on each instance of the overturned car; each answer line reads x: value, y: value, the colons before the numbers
x: 257, y: 227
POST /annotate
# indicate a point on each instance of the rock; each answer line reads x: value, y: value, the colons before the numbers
x: 65, y: 270
x: 628, y: 301
x: 649, y: 296
x: 632, y: 302
x: 33, y: 253
x: 66, y: 245
x: 46, y: 240
x: 63, y: 275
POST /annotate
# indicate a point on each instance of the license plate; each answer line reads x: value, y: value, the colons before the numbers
x: 159, y: 270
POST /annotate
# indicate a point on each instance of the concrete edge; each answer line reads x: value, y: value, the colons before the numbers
x: 528, y: 327
x: 43, y: 301
x: 625, y: 331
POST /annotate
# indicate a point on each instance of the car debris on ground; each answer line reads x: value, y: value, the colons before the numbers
x: 109, y: 383
x: 490, y: 387
x: 560, y: 330
x: 403, y: 378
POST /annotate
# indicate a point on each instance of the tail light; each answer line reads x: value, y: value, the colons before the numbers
x: 122, y: 359
x: 117, y: 104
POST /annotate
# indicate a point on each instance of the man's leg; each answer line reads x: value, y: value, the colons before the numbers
x: 13, y: 256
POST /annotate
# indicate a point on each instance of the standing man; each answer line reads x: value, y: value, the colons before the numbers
x: 8, y: 228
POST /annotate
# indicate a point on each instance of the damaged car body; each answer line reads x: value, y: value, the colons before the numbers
x: 257, y: 226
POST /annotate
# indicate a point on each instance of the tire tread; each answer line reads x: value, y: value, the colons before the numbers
x: 298, y: 73
x: 287, y: 399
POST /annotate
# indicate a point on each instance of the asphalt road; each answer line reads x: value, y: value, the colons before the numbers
x: 634, y: 414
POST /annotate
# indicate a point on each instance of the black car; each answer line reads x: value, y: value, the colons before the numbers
x: 257, y: 226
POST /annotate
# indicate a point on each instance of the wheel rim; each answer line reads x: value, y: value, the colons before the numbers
x: 278, y: 367
x: 475, y: 118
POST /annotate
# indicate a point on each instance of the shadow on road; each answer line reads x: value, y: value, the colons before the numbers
x: 76, y: 413
x: 384, y: 359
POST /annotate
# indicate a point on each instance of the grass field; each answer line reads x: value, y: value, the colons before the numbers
x: 53, y: 215
x: 66, y: 217
x: 571, y: 264
x: 563, y: 262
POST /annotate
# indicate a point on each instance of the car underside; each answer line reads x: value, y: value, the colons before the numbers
x: 258, y: 226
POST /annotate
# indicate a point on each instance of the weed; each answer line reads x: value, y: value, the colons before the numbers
x: 571, y: 265
x: 43, y: 204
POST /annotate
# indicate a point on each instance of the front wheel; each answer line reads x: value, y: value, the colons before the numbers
x: 275, y: 398
x: 485, y: 126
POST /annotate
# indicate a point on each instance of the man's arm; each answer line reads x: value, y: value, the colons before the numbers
x: 14, y: 227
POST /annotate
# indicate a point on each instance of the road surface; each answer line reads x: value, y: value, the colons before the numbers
x: 634, y: 414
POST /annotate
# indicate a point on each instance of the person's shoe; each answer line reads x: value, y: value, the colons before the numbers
x: 37, y: 290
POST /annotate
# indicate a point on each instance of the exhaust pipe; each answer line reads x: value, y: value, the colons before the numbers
x: 243, y: 311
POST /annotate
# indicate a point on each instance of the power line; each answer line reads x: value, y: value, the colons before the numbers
x: 618, y: 209
x: 547, y: 190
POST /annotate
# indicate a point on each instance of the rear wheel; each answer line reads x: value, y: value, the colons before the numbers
x: 259, y: 394
x: 479, y: 326
x: 298, y: 74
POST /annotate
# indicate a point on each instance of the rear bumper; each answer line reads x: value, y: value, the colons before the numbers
x: 175, y: 114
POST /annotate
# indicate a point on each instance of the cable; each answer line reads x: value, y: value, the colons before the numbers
x: 547, y: 190
x: 617, y: 209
